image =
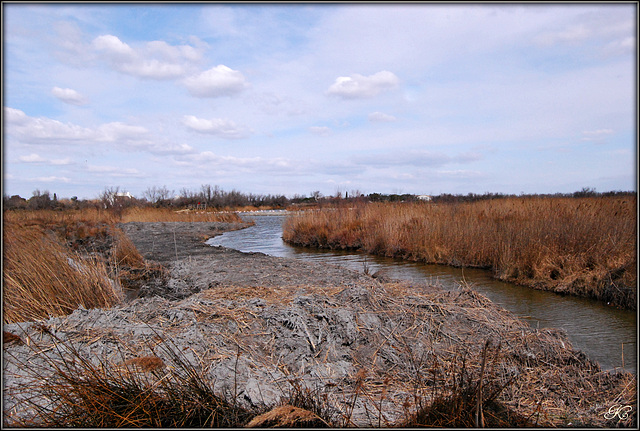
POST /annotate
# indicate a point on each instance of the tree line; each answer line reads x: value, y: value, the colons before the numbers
x: 216, y: 198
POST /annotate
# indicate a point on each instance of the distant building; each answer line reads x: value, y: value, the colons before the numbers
x: 425, y: 198
x: 124, y: 195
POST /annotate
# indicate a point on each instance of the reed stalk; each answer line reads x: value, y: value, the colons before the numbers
x: 43, y: 278
x: 580, y: 246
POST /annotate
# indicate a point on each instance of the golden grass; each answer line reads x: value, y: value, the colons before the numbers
x: 43, y: 278
x: 46, y: 268
x: 89, y: 215
x: 136, y: 214
x: 583, y: 246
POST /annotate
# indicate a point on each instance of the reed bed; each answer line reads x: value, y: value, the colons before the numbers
x: 580, y: 246
x: 146, y: 214
x: 44, y: 278
x: 56, y: 217
x: 55, y: 261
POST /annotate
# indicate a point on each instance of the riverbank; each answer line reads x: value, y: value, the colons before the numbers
x: 264, y: 330
x: 583, y: 247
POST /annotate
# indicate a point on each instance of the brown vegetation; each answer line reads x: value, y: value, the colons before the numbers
x: 138, y: 392
x: 580, y: 246
x: 55, y: 261
x: 141, y: 214
x: 42, y: 277
x: 435, y: 358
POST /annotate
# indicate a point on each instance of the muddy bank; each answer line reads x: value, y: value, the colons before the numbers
x: 199, y: 266
x: 262, y: 328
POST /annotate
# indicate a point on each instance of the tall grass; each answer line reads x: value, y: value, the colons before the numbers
x: 585, y: 247
x: 67, y: 218
x: 146, y: 214
x: 55, y: 261
x: 43, y: 278
x: 94, y: 215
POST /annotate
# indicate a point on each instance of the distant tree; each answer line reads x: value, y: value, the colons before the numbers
x: 14, y: 202
x: 40, y: 200
x: 158, y: 195
x: 585, y: 193
x: 116, y: 200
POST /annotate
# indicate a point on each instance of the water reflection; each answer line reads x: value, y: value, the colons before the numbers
x: 595, y: 328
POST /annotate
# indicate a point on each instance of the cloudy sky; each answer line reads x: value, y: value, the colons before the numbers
x: 290, y: 99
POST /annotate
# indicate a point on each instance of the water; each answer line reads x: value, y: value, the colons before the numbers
x: 600, y: 331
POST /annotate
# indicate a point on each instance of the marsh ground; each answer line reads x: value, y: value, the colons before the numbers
x: 261, y: 328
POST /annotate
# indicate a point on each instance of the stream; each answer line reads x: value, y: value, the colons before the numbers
x: 605, y: 334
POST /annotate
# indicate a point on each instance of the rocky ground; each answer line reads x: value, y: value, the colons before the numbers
x: 264, y: 329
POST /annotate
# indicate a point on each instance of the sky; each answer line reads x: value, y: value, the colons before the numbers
x: 290, y: 99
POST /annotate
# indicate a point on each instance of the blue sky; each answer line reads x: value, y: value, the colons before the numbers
x: 290, y: 99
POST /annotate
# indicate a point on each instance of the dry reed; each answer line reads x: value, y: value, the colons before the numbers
x: 585, y: 247
x: 146, y: 214
x: 145, y: 391
x: 428, y: 354
x: 55, y: 261
x: 43, y: 278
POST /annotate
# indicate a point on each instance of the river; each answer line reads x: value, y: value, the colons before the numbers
x: 605, y: 334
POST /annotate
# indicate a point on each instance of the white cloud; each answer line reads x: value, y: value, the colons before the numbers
x: 360, y: 87
x: 153, y: 69
x: 599, y: 136
x: 36, y: 158
x: 117, y: 131
x: 573, y: 34
x: 320, y: 130
x: 70, y: 96
x: 461, y: 175
x: 414, y: 158
x: 32, y: 158
x: 621, y: 46
x: 114, y: 171
x: 598, y: 132
x: 32, y: 129
x: 173, y: 53
x: 113, y: 47
x: 153, y: 60
x: 379, y: 117
x: 233, y: 164
x: 216, y: 126
x: 51, y: 179
x: 15, y: 116
x: 216, y: 82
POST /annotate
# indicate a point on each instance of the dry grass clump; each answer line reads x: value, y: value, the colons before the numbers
x: 466, y: 398
x: 55, y: 261
x: 43, y: 278
x: 585, y: 246
x: 146, y: 214
x: 127, y: 264
x: 137, y: 392
x: 77, y: 228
